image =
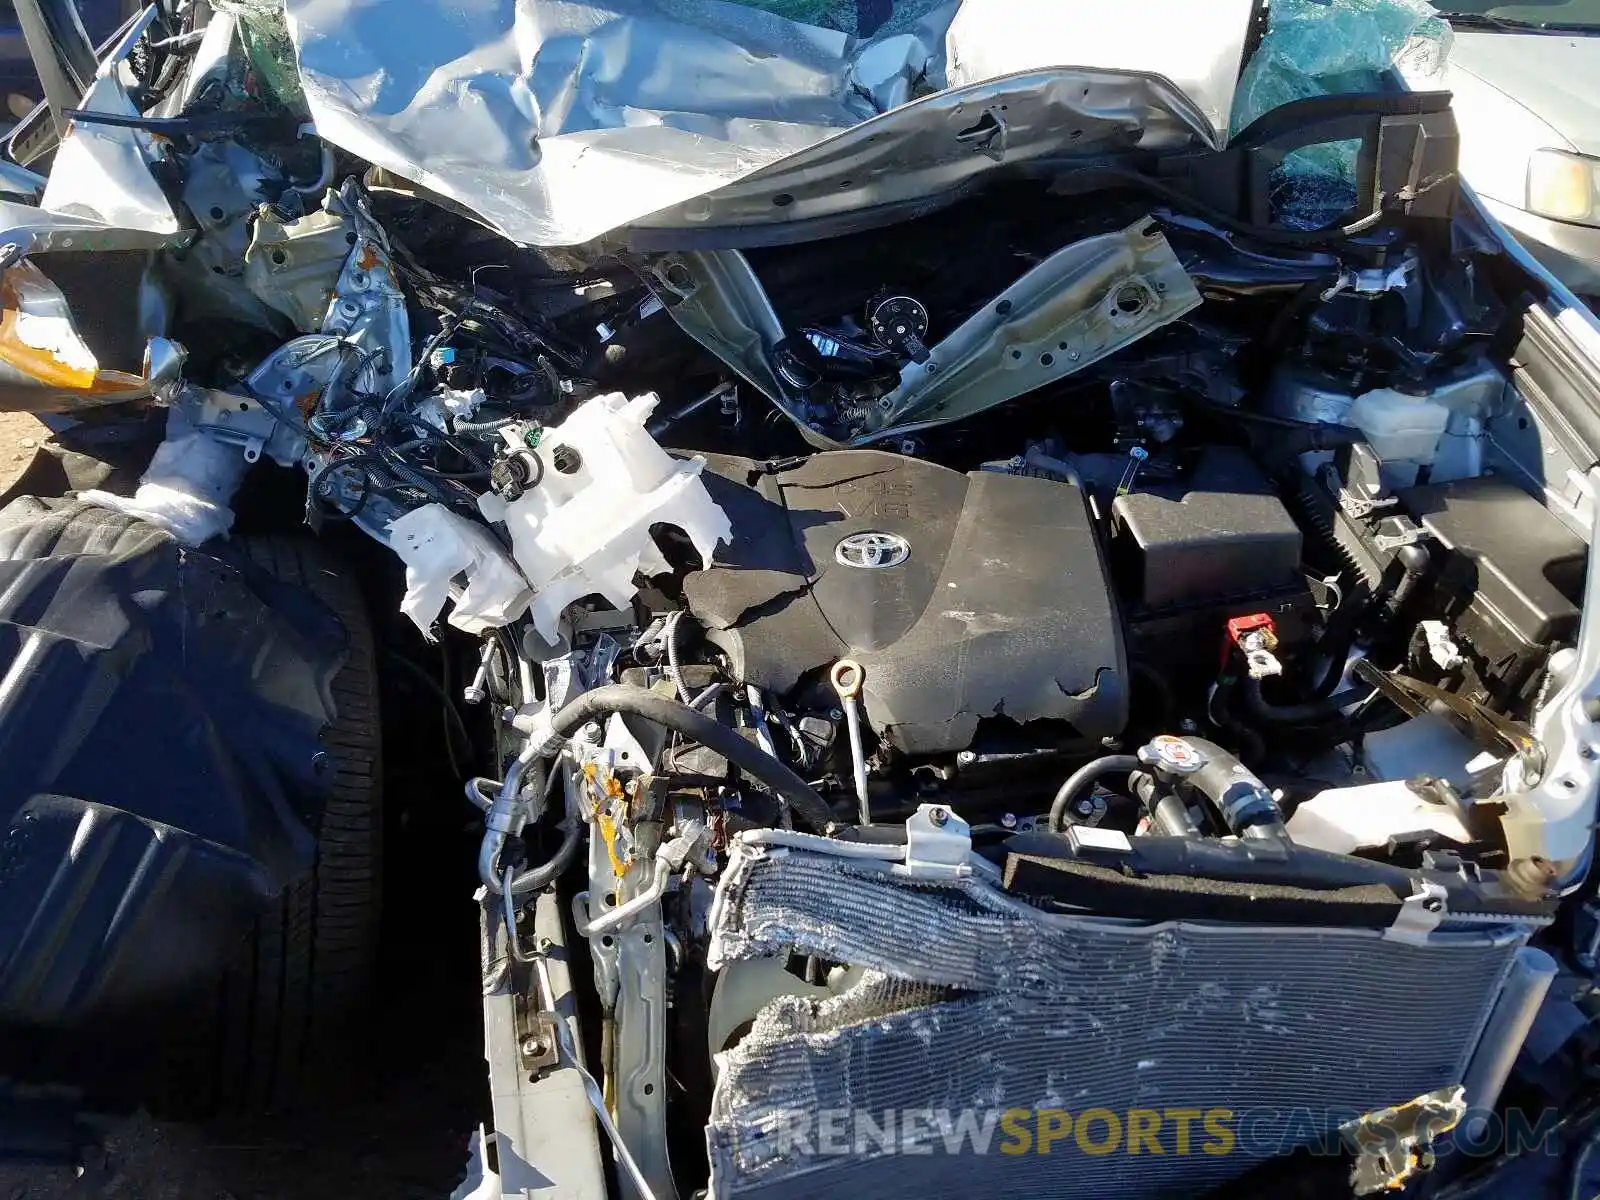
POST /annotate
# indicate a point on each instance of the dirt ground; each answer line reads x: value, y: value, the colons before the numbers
x: 402, y: 1134
x: 19, y: 434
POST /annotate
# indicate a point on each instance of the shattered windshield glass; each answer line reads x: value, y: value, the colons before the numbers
x: 1317, y: 48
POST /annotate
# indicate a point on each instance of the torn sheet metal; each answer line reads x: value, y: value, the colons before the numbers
x: 102, y: 172
x: 585, y: 496
x: 438, y: 545
x: 909, y: 159
x: 26, y: 230
x: 294, y: 266
x: 1326, y: 47
x: 368, y: 307
x: 558, y: 121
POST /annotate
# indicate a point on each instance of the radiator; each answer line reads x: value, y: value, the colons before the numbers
x: 970, y: 1010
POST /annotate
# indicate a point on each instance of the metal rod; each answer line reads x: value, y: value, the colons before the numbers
x: 847, y: 677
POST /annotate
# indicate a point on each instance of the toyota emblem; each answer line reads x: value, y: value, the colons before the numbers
x: 872, y: 550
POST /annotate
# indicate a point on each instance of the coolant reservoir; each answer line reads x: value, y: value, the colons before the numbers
x: 1399, y: 427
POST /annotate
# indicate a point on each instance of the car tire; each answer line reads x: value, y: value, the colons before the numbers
x: 280, y: 1016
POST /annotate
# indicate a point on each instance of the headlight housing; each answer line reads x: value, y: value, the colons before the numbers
x: 1564, y: 186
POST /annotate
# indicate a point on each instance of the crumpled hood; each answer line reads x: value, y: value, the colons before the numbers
x: 558, y: 121
x: 1553, y: 77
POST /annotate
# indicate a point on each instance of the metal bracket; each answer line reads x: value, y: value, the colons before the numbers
x: 539, y: 1045
x: 244, y: 420
x: 938, y: 844
x: 1420, y: 914
x: 1374, y: 280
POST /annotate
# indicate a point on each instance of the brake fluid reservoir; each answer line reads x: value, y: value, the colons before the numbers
x: 1398, y: 426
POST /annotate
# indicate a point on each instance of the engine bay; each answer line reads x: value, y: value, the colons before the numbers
x: 1249, y: 622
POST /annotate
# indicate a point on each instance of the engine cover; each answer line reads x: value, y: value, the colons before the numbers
x: 963, y: 596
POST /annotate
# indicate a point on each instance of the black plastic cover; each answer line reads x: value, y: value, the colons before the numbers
x: 159, y: 718
x: 1220, y: 534
x: 1259, y: 881
x: 1002, y: 607
x: 1508, y: 555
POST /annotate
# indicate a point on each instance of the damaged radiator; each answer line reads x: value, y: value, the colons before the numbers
x: 963, y: 1059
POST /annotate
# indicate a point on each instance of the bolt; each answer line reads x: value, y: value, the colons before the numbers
x: 1086, y: 806
x: 939, y: 816
x: 533, y: 1047
x: 837, y: 714
x: 590, y: 732
x: 1008, y: 820
x: 508, y: 714
x: 1433, y: 904
x: 966, y: 758
x: 474, y: 693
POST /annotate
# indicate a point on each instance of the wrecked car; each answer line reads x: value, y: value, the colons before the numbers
x: 1026, y: 632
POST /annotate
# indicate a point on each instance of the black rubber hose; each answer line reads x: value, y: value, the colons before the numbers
x: 1414, y: 562
x: 1082, y: 778
x: 1312, y: 712
x: 1244, y: 803
x: 1169, y: 815
x: 1220, y: 710
x: 1337, y: 644
x: 536, y: 879
x: 807, y: 805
